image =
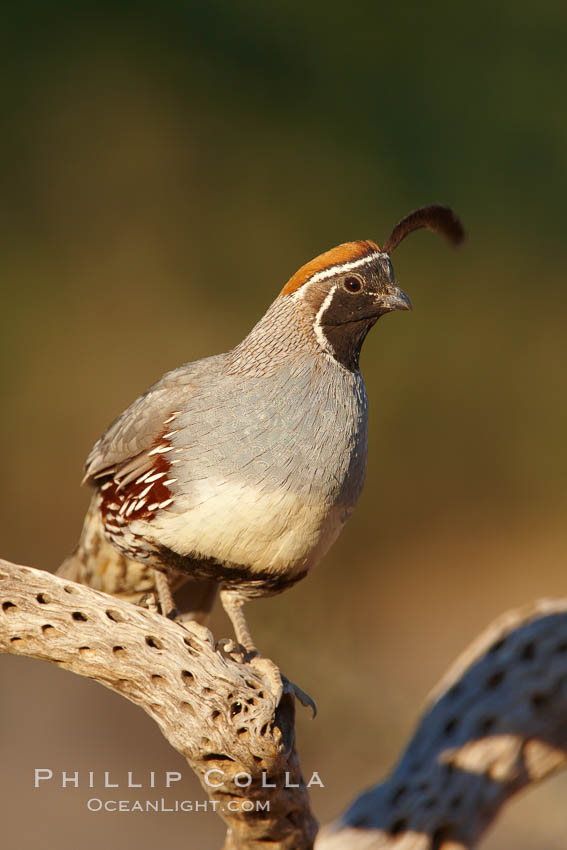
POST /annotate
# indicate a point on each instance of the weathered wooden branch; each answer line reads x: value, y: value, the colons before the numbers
x: 496, y: 723
x: 219, y: 713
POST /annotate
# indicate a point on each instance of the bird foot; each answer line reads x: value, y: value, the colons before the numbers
x: 269, y: 671
x: 148, y: 601
x: 280, y: 684
x: 229, y: 649
x: 300, y: 695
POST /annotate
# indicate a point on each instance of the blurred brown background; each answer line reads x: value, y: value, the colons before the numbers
x: 166, y: 168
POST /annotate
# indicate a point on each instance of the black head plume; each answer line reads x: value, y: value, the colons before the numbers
x: 435, y: 217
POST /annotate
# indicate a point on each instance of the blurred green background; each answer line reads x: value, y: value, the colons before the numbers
x: 166, y: 167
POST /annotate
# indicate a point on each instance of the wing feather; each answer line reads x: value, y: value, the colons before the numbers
x: 124, y: 449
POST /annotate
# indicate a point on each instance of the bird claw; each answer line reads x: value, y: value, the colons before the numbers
x: 148, y: 601
x: 227, y: 648
x: 280, y: 684
x: 300, y: 695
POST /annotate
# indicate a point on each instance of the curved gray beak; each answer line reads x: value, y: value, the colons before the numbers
x: 394, y: 299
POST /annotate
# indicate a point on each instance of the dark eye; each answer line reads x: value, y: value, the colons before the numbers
x: 352, y: 284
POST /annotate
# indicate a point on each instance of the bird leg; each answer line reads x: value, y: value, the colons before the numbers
x: 233, y: 603
x: 164, y: 594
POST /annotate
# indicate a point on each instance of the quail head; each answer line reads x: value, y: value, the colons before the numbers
x: 240, y: 470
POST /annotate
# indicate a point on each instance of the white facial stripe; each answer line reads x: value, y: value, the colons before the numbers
x: 341, y: 268
x: 321, y: 338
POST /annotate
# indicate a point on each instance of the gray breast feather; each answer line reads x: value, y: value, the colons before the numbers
x: 265, y: 469
x: 300, y: 430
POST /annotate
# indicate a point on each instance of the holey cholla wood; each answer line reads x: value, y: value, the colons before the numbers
x: 496, y: 723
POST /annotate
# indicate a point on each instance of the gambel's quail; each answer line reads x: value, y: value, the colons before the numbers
x: 240, y: 470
